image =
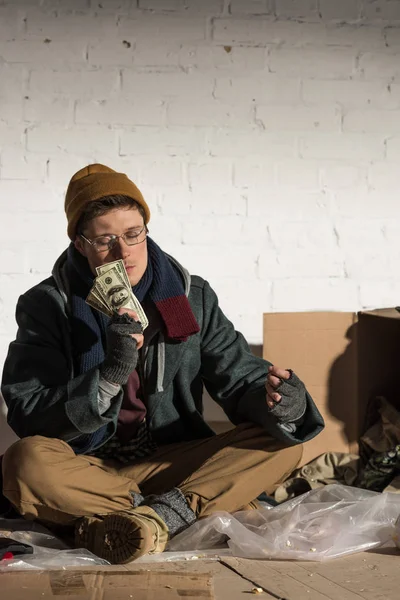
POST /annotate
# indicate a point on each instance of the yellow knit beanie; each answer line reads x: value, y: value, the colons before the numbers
x: 92, y: 183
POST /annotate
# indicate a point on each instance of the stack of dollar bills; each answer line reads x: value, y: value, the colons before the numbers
x: 112, y: 290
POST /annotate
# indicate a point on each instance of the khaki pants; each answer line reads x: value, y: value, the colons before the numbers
x: 44, y: 479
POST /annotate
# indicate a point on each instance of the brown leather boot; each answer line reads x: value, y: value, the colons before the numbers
x: 123, y: 536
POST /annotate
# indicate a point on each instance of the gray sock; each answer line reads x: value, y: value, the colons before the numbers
x: 137, y: 499
x: 173, y: 509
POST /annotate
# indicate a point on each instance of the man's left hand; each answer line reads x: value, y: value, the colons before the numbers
x: 274, y: 380
x: 286, y: 395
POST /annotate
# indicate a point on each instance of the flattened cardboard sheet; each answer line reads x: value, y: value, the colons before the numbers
x: 105, y: 585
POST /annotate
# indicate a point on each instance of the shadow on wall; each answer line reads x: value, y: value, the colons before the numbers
x: 343, y: 388
x: 367, y: 368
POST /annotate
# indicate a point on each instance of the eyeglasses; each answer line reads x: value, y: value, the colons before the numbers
x: 107, y: 242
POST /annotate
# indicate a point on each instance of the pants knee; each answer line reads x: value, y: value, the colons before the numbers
x: 26, y: 464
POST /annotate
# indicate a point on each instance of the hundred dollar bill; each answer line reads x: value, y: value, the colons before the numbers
x: 114, y: 292
x: 140, y: 312
x: 98, y: 297
x: 117, y: 264
x: 98, y: 304
x: 120, y: 267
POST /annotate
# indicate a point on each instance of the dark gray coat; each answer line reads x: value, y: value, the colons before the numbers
x: 45, y: 397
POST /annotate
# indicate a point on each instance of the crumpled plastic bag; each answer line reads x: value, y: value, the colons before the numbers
x: 49, y: 552
x: 325, y: 523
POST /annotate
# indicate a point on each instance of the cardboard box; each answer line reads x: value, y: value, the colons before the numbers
x: 345, y: 360
x: 104, y: 585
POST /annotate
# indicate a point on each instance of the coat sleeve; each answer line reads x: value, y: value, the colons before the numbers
x: 235, y: 378
x: 41, y: 397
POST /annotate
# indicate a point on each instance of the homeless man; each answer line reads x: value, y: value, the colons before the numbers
x: 113, y: 441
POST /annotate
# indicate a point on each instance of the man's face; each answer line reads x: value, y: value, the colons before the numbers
x: 117, y: 222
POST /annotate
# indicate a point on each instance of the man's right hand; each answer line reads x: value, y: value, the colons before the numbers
x: 124, y: 334
x: 139, y: 337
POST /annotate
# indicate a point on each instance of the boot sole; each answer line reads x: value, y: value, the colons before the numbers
x: 119, y: 538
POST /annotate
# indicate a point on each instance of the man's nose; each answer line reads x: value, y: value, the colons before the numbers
x: 121, y: 249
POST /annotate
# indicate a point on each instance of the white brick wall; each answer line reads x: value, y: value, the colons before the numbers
x: 264, y: 134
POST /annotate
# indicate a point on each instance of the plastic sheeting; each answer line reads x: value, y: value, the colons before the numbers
x: 326, y: 523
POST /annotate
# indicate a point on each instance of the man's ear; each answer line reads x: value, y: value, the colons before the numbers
x: 80, y: 245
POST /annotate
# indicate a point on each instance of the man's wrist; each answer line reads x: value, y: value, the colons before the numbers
x: 116, y: 372
x: 108, y: 391
x: 110, y: 387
